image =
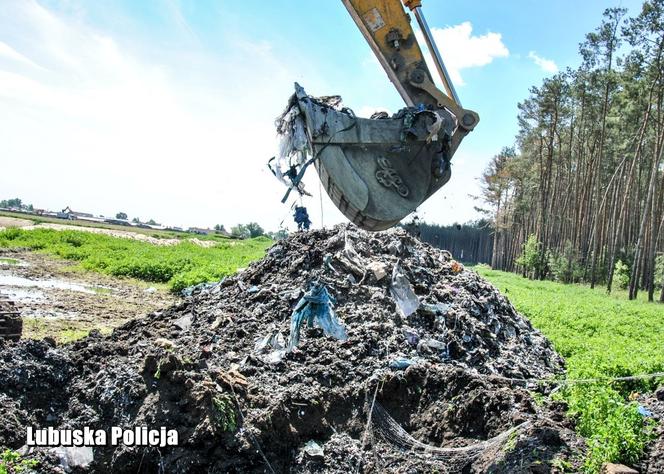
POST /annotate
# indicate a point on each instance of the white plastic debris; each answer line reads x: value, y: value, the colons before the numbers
x: 437, y: 308
x: 314, y: 450
x: 184, y: 322
x: 379, y: 269
x: 272, y: 347
x: 73, y: 456
x: 402, y: 292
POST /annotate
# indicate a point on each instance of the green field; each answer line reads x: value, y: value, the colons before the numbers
x: 600, y: 336
x: 157, y: 234
x: 178, y: 266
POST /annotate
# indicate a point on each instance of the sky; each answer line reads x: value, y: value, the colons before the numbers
x: 165, y: 109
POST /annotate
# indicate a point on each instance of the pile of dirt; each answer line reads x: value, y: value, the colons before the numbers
x: 431, y: 391
x: 653, y: 460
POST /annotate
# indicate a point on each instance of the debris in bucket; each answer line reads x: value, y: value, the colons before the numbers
x: 241, y: 403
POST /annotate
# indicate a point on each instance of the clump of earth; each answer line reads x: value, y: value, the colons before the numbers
x: 430, y: 372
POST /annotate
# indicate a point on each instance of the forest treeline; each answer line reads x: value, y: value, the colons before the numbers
x: 580, y: 195
x: 470, y: 243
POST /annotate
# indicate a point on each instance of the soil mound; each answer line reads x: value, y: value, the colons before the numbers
x: 415, y: 376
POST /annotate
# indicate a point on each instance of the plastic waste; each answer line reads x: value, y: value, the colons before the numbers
x: 401, y: 363
x: 316, y: 309
x: 201, y: 288
x: 273, y: 346
x: 351, y: 261
x: 301, y: 217
x: 644, y: 412
x: 402, y: 292
x: 184, y: 323
x: 314, y: 450
x: 379, y: 269
x: 327, y: 261
x: 294, y: 148
x: 411, y: 336
x: 274, y: 340
x: 71, y: 457
x: 436, y: 308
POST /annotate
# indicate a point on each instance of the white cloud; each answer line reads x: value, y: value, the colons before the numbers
x: 182, y: 138
x: 461, y: 50
x: 8, y: 52
x: 547, y: 65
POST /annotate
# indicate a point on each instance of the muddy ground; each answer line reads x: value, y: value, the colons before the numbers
x: 653, y: 461
x: 57, y: 300
x: 438, y: 386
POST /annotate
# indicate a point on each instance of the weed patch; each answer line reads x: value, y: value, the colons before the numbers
x: 600, y: 336
x: 12, y: 462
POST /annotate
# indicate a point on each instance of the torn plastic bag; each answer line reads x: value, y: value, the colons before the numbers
x: 401, y: 363
x: 436, y: 308
x: 315, y: 308
x: 403, y: 294
x: 351, y: 260
x: 274, y: 340
x: 272, y: 347
x: 294, y: 148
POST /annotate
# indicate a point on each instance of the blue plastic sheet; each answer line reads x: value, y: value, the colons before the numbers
x: 316, y: 309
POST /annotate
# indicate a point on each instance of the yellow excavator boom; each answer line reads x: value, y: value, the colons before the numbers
x: 385, y: 25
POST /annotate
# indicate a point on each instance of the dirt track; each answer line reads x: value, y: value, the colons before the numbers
x: 123, y: 234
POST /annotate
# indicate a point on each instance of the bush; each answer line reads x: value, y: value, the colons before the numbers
x: 621, y: 274
x: 565, y: 266
x: 531, y: 256
x: 614, y: 429
x: 600, y: 336
x: 659, y: 271
x: 11, y: 462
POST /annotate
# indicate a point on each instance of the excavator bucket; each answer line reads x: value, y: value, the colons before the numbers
x: 376, y: 171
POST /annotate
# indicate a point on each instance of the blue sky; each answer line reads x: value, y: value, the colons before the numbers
x: 165, y: 109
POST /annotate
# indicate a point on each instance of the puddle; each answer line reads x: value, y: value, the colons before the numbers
x: 21, y: 294
x: 11, y: 280
x: 14, y: 262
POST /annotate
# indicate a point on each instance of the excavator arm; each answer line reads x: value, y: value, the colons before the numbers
x: 379, y: 170
x: 386, y: 27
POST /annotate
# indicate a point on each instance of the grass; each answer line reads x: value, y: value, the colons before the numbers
x: 9, y: 261
x: 600, y: 336
x: 177, y: 266
x: 62, y: 330
x: 225, y: 415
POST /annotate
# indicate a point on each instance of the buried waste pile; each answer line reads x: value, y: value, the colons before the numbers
x: 340, y: 351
